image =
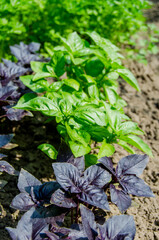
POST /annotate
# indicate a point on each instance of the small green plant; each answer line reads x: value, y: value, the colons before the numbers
x: 78, y: 89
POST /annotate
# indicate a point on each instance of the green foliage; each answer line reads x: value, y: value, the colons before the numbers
x: 143, y: 44
x: 86, y: 107
x: 106, y: 149
x: 44, y: 20
x: 49, y: 150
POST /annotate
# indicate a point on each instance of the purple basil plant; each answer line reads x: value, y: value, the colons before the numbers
x: 11, y: 87
x: 49, y: 205
x: 4, y: 165
x: 126, y: 179
x: 26, y: 53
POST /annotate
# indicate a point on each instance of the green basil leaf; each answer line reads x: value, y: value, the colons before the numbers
x: 58, y: 63
x: 49, y: 48
x: 106, y: 149
x: 90, y: 159
x: 75, y: 42
x: 38, y: 86
x: 94, y: 67
x: 114, y: 116
x: 126, y: 146
x: 62, y: 130
x: 78, y: 135
x: 55, y: 86
x: 78, y: 149
x: 112, y: 76
x: 111, y: 94
x: 138, y: 143
x: 24, y: 99
x: 91, y: 114
x: 41, y: 75
x: 42, y: 104
x: 109, y: 48
x: 93, y: 90
x: 38, y: 66
x: 98, y: 133
x: 49, y: 150
x: 128, y: 77
x: 129, y: 127
x: 72, y: 83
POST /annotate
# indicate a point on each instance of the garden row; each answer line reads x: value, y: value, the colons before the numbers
x: 77, y: 89
x: 42, y: 21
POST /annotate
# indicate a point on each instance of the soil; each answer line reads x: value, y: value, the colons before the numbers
x: 143, y: 108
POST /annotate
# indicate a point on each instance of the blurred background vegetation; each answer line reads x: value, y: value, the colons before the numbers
x: 43, y: 20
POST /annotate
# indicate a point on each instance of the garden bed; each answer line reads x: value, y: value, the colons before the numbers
x: 143, y: 108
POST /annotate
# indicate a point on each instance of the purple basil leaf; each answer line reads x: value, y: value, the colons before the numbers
x: 62, y: 199
x: 97, y: 176
x: 9, y: 71
x: 15, y: 50
x: 7, y: 91
x: 28, y: 227
x: 34, y: 47
x: 4, y: 139
x: 57, y: 220
x: 23, y: 53
x: 39, y: 225
x: 2, y: 155
x: 132, y: 164
x: 23, y: 231
x: 67, y: 176
x: 15, y: 69
x: 44, y: 191
x: 50, y: 211
x: 77, y: 232
x: 6, y: 167
x: 136, y: 186
x: 22, y: 202
x: 52, y: 236
x: 65, y: 155
x: 78, y: 162
x: 88, y: 221
x: 94, y: 196
x: 120, y: 198
x: 107, y: 162
x: 21, y: 85
x: 9, y: 63
x: 26, y: 181
x: 13, y: 233
x: 118, y: 228
x: 4, y: 103
x: 17, y: 114
x: 61, y: 232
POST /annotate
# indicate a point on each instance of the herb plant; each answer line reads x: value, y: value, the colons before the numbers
x: 4, y: 165
x: 11, y: 87
x: 82, y: 97
x: 47, y: 205
x: 126, y: 176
